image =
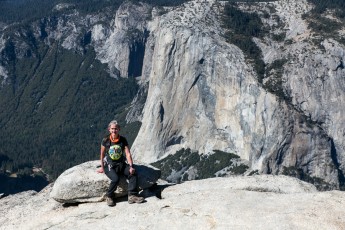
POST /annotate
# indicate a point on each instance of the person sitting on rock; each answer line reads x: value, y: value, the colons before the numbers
x: 113, y: 164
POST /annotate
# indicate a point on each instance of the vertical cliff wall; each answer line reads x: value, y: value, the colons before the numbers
x: 203, y: 94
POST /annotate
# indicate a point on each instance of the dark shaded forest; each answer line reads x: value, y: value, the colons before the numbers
x: 57, y: 102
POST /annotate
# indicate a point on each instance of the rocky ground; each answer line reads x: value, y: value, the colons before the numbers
x: 255, y: 202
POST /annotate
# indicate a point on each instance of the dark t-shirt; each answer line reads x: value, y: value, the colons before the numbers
x: 115, y: 150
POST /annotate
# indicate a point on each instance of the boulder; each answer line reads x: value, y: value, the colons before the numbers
x: 82, y: 183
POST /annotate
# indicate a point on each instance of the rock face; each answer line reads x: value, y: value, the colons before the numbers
x: 256, y: 202
x: 204, y: 95
x: 82, y: 183
x: 123, y: 45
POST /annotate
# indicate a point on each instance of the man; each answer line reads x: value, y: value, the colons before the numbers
x: 113, y: 164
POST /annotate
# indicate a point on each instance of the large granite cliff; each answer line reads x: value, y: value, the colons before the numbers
x: 203, y: 94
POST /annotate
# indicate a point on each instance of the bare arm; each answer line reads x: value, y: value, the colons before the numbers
x: 101, y: 170
x: 129, y: 160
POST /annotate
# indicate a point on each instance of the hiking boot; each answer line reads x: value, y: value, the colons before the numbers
x: 110, y: 201
x: 135, y: 199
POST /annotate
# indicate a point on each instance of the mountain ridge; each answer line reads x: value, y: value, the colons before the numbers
x: 272, y: 100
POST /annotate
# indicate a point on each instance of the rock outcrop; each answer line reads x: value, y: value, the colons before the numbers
x: 255, y: 202
x: 82, y: 183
